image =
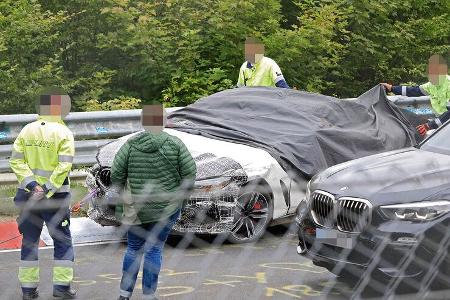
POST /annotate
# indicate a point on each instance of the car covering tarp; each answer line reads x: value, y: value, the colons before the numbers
x: 304, y: 132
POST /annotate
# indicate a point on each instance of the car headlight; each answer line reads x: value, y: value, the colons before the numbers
x: 209, y: 185
x: 90, y: 181
x: 419, y: 211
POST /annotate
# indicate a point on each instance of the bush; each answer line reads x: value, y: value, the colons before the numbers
x: 185, y: 89
x: 120, y: 103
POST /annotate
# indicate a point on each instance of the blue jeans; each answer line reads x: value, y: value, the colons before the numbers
x: 148, y: 240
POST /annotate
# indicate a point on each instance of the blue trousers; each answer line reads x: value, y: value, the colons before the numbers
x: 145, y: 240
x: 30, y: 223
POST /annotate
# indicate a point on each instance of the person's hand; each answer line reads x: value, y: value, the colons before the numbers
x: 38, y: 188
x: 387, y: 86
x: 422, y: 129
x: 37, y: 193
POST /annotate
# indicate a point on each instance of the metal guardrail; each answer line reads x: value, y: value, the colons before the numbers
x: 92, y: 130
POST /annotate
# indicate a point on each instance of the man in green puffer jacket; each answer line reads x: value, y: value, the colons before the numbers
x: 160, y: 173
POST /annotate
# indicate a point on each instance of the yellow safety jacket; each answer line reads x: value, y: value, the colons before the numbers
x: 43, y: 154
x: 439, y: 94
x: 265, y: 73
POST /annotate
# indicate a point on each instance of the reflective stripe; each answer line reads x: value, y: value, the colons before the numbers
x: 30, y: 285
x: 279, y: 78
x: 438, y: 122
x: 63, y: 263
x: 29, y: 263
x: 64, y: 189
x: 61, y: 283
x: 26, y: 181
x: 423, y: 90
x: 65, y: 158
x: 62, y: 275
x: 49, y: 186
x: 403, y: 90
x: 17, y: 155
x: 42, y: 173
x: 29, y: 273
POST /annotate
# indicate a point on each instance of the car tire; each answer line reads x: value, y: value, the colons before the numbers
x: 253, y: 213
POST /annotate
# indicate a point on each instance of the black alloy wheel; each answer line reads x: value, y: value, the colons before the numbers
x: 254, y: 210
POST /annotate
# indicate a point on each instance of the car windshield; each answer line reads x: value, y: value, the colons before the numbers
x: 439, y: 142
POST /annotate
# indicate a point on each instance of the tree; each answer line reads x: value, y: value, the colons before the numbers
x: 29, y: 54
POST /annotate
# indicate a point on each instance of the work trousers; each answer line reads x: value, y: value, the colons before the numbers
x: 30, y: 224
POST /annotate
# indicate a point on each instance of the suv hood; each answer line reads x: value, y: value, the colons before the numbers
x: 400, y: 176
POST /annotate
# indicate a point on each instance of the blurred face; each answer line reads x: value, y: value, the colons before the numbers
x: 437, y: 71
x: 54, y: 105
x: 254, y: 52
x: 153, y: 118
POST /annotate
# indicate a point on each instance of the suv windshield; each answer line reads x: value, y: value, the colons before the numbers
x: 439, y: 142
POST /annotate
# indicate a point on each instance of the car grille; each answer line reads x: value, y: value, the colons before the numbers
x: 353, y: 214
x: 346, y: 214
x: 104, y: 176
x: 322, y: 208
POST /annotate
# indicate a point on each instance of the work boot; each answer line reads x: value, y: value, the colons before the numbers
x: 30, y: 295
x: 65, y: 294
x: 123, y: 298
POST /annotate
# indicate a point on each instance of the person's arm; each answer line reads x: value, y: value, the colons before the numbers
x: 66, y: 153
x: 437, y: 122
x: 119, y: 174
x: 409, y: 91
x: 187, y: 167
x: 241, y: 79
x: 278, y: 77
x: 433, y: 123
x: 19, y: 166
x: 119, y: 168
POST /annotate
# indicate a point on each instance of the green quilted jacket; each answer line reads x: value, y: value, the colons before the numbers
x: 160, y: 173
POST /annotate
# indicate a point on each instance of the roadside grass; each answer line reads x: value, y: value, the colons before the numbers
x: 8, y: 211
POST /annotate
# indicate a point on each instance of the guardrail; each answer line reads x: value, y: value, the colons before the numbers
x: 92, y: 130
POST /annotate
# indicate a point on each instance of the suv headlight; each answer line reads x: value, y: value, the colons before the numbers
x: 213, y: 184
x: 419, y: 211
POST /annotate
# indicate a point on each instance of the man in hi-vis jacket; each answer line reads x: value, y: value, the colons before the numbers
x: 41, y: 159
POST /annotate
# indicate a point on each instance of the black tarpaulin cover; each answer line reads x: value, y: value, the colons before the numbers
x: 303, y: 131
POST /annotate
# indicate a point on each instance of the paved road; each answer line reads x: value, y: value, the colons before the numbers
x: 200, y: 269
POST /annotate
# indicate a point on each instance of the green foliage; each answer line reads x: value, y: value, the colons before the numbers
x: 177, y: 51
x: 122, y: 102
x: 185, y: 89
x: 29, y: 54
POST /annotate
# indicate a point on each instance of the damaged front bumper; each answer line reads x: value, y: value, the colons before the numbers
x: 209, y: 210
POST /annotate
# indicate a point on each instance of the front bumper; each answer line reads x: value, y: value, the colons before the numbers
x: 206, y: 211
x: 209, y: 212
x: 394, y: 249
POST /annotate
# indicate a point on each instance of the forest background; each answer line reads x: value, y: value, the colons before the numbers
x: 120, y: 54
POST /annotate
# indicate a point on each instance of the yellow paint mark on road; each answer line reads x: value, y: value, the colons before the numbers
x: 217, y: 282
x: 304, y: 289
x: 110, y: 276
x: 170, y: 272
x: 271, y: 291
x: 84, y: 282
x: 177, y: 290
x: 295, y: 266
x: 259, y: 276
